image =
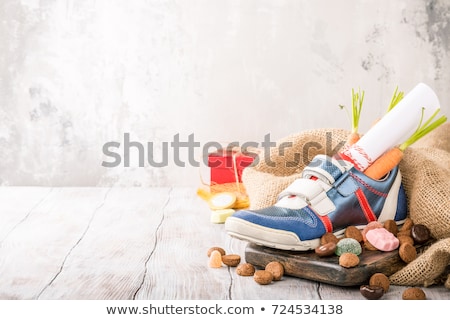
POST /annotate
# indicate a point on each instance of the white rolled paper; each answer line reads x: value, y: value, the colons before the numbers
x: 395, y: 127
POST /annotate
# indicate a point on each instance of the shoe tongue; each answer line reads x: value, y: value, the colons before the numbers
x: 322, y: 168
x: 325, y: 168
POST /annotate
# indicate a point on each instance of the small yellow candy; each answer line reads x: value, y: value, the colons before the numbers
x: 223, y: 200
x: 242, y: 202
x: 219, y: 216
x: 215, y: 259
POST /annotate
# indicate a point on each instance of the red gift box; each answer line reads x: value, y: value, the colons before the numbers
x: 225, y: 165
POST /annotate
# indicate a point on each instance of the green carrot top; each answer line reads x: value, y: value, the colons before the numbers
x: 424, y: 129
x: 357, y: 102
x: 396, y: 98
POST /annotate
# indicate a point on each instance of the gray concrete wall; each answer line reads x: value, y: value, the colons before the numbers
x: 75, y: 75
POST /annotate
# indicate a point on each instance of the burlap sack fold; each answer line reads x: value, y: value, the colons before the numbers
x: 425, y: 170
x: 428, y: 269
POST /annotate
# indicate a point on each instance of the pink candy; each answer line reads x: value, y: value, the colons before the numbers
x: 382, y: 239
x: 371, y: 225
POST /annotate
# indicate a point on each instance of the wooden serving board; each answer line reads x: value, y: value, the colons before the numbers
x: 308, y: 265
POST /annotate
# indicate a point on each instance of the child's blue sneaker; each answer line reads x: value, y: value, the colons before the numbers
x: 329, y: 197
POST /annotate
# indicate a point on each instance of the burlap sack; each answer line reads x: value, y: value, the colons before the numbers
x: 426, y: 177
x: 274, y: 170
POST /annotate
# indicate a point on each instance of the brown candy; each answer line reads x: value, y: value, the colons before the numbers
x: 245, y: 270
x: 263, y: 277
x: 391, y: 226
x: 420, y: 233
x: 353, y: 232
x: 326, y: 249
x: 381, y: 280
x: 406, y: 233
x: 328, y: 237
x: 371, y: 292
x: 231, y: 260
x: 348, y: 260
x: 276, y: 268
x: 407, y: 252
x: 407, y: 225
x: 413, y: 293
x: 405, y: 239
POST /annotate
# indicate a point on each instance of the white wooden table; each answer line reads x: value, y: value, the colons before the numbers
x: 136, y: 243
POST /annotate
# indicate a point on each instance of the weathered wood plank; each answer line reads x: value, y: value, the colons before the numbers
x: 109, y: 260
x: 177, y: 269
x: 16, y: 204
x: 32, y: 254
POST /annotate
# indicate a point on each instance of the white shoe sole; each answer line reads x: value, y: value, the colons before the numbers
x: 268, y: 237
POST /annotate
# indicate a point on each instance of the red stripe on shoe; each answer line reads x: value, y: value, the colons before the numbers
x: 325, y: 220
x: 370, y: 216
